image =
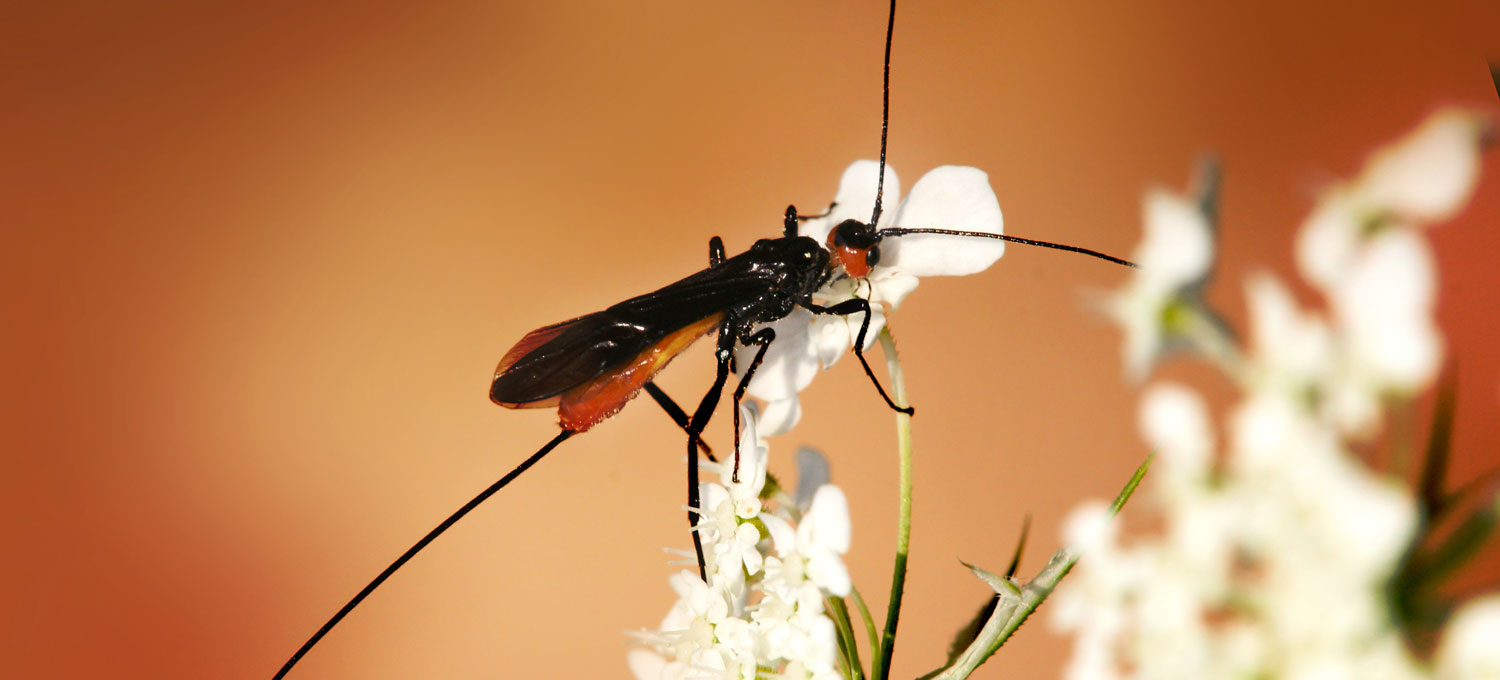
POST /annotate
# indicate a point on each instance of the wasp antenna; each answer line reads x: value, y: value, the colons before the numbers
x: 902, y: 231
x: 417, y: 547
x: 885, y: 113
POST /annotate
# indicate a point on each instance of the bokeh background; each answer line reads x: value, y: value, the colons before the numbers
x: 260, y: 259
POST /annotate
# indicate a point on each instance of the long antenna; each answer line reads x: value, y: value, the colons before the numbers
x: 900, y: 231
x: 417, y: 547
x: 885, y: 113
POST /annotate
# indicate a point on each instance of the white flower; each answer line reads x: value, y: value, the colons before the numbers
x: 948, y: 197
x: 1175, y: 261
x: 759, y: 615
x: 1423, y: 178
x: 818, y: 541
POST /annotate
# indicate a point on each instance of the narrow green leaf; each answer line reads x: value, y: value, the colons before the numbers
x: 1135, y: 481
x: 840, y: 613
x: 864, y: 613
x: 1461, y: 545
x: 1015, y: 560
x: 1430, y: 487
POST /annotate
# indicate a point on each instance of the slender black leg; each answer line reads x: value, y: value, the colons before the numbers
x: 826, y: 212
x: 715, y: 251
x: 764, y: 337
x: 856, y: 306
x: 677, y: 415
x: 722, y: 353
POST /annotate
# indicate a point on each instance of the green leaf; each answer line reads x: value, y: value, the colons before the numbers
x: 1015, y: 560
x: 840, y: 615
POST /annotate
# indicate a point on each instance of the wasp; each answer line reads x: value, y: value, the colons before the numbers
x: 591, y: 366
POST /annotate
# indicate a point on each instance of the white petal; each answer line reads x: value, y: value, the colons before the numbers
x: 831, y: 338
x: 783, y: 536
x: 1429, y: 174
x: 827, y: 520
x: 855, y: 198
x: 1329, y: 239
x: 822, y: 649
x: 646, y: 665
x: 1138, y: 309
x: 780, y: 416
x: 828, y: 571
x: 790, y: 362
x: 754, y: 459
x: 948, y: 197
x: 1384, y: 306
x: 1293, y: 348
x: 1178, y: 247
x: 1174, y: 421
x: 1469, y: 648
x: 890, y: 286
x: 1089, y: 529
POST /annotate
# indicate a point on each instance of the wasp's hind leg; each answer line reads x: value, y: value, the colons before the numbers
x: 677, y: 415
x: 722, y: 354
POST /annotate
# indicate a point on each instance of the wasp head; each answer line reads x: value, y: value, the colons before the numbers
x: 855, y: 246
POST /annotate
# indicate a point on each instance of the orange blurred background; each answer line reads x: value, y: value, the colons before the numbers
x: 261, y: 258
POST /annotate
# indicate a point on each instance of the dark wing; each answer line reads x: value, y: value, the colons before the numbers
x: 554, y: 359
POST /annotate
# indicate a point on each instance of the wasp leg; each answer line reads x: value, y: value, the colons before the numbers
x: 789, y: 223
x: 856, y: 306
x: 722, y: 354
x: 677, y: 415
x: 826, y: 212
x: 764, y: 337
x: 715, y: 251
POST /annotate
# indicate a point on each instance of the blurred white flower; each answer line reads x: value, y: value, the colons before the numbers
x: 1291, y: 351
x: 1274, y: 557
x: 948, y: 197
x: 1424, y: 178
x: 1383, y: 306
x: 1175, y: 261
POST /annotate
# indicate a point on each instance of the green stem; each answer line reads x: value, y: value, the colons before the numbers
x: 881, y: 665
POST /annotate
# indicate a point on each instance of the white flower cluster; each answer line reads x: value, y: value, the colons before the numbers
x: 1274, y: 555
x: 770, y: 562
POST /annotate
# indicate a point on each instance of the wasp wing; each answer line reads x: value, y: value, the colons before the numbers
x: 554, y: 359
